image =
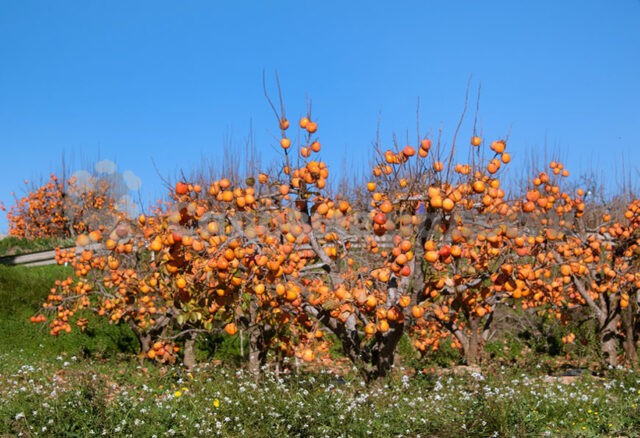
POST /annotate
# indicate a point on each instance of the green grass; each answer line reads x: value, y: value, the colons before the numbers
x: 22, y: 292
x: 13, y: 246
x: 91, y: 384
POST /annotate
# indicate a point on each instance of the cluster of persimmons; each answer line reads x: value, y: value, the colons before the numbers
x: 430, y: 251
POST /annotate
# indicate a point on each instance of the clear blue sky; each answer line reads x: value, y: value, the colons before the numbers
x: 170, y: 82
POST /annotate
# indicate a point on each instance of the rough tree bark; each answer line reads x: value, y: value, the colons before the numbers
x: 189, y: 357
x: 629, y: 323
x: 260, y: 336
x: 608, y: 339
x: 475, y: 343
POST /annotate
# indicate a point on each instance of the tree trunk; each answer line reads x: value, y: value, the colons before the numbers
x: 145, y: 342
x: 255, y: 353
x: 259, y: 340
x: 475, y: 345
x: 608, y: 340
x: 471, y: 354
x: 144, y: 337
x: 384, y: 351
x: 372, y: 361
x: 629, y: 342
x: 189, y: 358
x: 472, y: 342
x: 258, y: 348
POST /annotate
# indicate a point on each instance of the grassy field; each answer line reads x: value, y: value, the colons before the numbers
x: 91, y: 384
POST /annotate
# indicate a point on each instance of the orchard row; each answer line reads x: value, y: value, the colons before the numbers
x: 427, y: 247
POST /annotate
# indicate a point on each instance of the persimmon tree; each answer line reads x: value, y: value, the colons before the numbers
x: 115, y: 279
x: 40, y: 213
x: 239, y: 258
x: 62, y: 208
x: 608, y: 282
x: 462, y: 232
x: 418, y: 203
x: 587, y: 260
x: 219, y: 259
